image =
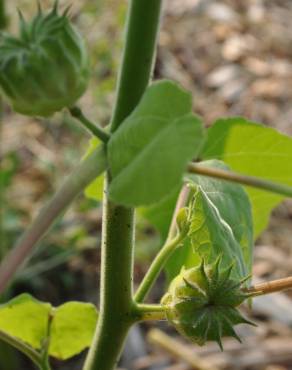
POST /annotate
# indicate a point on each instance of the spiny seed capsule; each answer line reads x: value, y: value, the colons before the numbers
x: 46, y: 67
x: 201, y: 303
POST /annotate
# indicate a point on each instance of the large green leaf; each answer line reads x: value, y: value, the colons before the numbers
x: 149, y: 152
x: 253, y: 149
x: 210, y: 236
x: 26, y: 318
x: 234, y: 206
x: 224, y: 206
x: 72, y: 329
x: 72, y: 325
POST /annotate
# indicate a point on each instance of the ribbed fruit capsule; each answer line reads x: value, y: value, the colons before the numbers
x: 201, y: 303
x: 45, y: 68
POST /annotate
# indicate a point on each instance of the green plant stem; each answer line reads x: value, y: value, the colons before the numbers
x: 116, y: 306
x: 231, y: 176
x: 151, y: 312
x: 82, y: 176
x: 117, y: 311
x: 172, y: 242
x: 22, y: 347
x: 96, y: 130
x: 156, y: 267
x: 138, y: 58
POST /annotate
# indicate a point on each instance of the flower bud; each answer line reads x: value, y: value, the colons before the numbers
x: 46, y: 67
x: 201, y: 303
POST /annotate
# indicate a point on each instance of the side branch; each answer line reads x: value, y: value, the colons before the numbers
x: 96, y: 130
x: 82, y: 176
x: 231, y: 176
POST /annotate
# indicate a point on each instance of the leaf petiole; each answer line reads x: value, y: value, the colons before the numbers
x: 231, y: 176
x: 23, y: 347
x: 156, y: 267
x: 96, y: 130
x: 173, y: 241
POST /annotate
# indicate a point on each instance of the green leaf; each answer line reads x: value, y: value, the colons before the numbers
x: 253, y: 149
x: 234, y: 206
x: 72, y: 329
x: 160, y: 214
x: 221, y: 224
x: 211, y: 236
x: 95, y: 189
x: 26, y: 318
x: 149, y: 152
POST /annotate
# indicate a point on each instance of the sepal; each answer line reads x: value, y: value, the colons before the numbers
x: 202, y: 303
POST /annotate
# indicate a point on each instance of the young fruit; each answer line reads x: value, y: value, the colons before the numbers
x: 201, y: 303
x: 46, y: 68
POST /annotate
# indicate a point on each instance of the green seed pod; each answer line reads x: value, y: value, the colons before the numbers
x: 201, y: 303
x: 46, y: 68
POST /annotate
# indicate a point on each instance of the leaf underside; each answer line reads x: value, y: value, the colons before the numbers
x: 222, y: 223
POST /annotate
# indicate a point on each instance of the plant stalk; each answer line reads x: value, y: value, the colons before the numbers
x: 82, y: 176
x: 117, y: 311
x: 172, y: 242
x: 231, y: 176
x: 270, y: 286
x: 151, y: 312
x: 156, y: 267
x: 94, y: 129
x: 22, y: 347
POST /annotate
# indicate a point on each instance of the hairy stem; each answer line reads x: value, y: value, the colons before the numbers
x: 138, y: 58
x: 22, y: 347
x: 231, y: 176
x: 96, y: 130
x: 116, y: 306
x: 117, y: 313
x: 270, y: 286
x: 82, y: 176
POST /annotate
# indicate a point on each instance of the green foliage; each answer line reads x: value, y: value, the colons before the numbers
x: 222, y: 223
x: 72, y: 329
x: 234, y: 207
x: 201, y: 302
x: 26, y: 318
x: 160, y: 214
x: 149, y: 152
x: 69, y: 327
x: 252, y: 149
x: 46, y: 68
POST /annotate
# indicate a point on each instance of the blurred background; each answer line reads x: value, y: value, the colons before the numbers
x: 236, y: 58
